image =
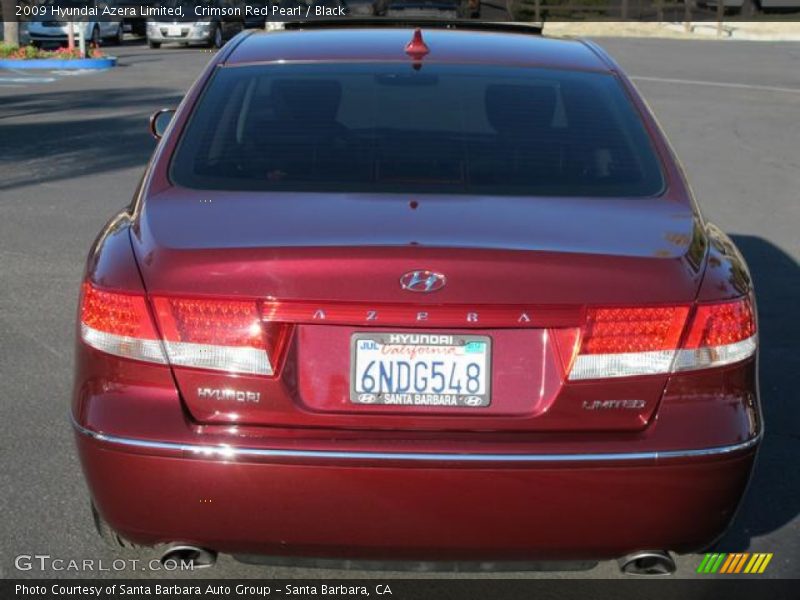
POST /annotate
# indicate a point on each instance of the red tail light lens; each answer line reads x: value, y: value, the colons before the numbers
x: 721, y: 324
x: 720, y: 334
x: 625, y: 341
x: 119, y: 324
x: 224, y: 335
x: 222, y: 323
x: 623, y: 330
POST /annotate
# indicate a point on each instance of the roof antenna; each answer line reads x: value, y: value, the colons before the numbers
x: 417, y: 48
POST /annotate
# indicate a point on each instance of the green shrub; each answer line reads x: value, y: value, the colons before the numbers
x: 7, y: 50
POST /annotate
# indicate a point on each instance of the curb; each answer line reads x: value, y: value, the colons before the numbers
x: 57, y: 63
x: 732, y: 32
x: 673, y: 30
x: 764, y: 37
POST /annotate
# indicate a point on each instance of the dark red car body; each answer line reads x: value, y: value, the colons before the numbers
x: 552, y: 469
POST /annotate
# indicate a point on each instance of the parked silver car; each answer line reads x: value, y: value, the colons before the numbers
x: 212, y: 31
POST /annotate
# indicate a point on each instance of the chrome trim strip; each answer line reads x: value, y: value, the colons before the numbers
x: 230, y: 452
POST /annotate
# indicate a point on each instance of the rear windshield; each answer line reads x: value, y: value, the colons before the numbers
x: 439, y: 129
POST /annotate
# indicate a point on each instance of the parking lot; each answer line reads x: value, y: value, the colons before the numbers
x: 74, y: 146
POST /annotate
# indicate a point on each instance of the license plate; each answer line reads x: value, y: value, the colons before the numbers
x: 174, y: 31
x: 420, y: 369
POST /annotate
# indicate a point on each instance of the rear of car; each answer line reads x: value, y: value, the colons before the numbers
x: 220, y: 21
x: 413, y: 297
x: 183, y: 32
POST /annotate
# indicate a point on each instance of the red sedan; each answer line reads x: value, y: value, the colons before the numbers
x: 415, y: 294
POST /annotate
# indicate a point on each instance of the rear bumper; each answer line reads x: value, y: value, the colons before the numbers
x: 190, y: 34
x: 56, y: 37
x: 49, y: 37
x: 414, y: 506
x: 192, y: 38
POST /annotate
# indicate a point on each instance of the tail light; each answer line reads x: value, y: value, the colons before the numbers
x: 119, y: 324
x: 621, y: 342
x: 224, y: 335
x: 233, y: 335
x: 720, y: 334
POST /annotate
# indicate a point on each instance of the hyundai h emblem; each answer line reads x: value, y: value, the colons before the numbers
x: 422, y: 281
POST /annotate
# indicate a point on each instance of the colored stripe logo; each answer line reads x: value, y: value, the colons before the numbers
x: 733, y: 563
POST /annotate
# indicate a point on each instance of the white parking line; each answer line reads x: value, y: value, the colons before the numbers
x: 26, y: 79
x: 738, y: 86
x: 22, y: 76
x: 73, y: 72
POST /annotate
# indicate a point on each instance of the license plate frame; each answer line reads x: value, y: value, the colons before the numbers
x: 410, y: 399
x: 174, y: 31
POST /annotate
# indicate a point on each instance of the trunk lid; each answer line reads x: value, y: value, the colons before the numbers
x: 527, y: 267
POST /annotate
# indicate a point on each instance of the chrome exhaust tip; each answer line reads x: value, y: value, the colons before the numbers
x: 651, y: 563
x: 184, y: 554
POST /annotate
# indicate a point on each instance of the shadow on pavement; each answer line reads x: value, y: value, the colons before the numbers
x: 144, y: 99
x: 37, y: 151
x: 773, y: 499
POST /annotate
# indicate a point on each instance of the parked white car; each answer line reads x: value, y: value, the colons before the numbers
x: 96, y: 32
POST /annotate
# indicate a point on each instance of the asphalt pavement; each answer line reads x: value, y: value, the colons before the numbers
x: 73, y: 147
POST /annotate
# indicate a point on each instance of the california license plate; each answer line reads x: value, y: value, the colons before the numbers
x: 420, y: 369
x: 174, y: 31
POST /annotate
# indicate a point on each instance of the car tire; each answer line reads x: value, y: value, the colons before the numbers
x: 119, y: 36
x: 110, y: 537
x: 154, y: 45
x: 216, y: 40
